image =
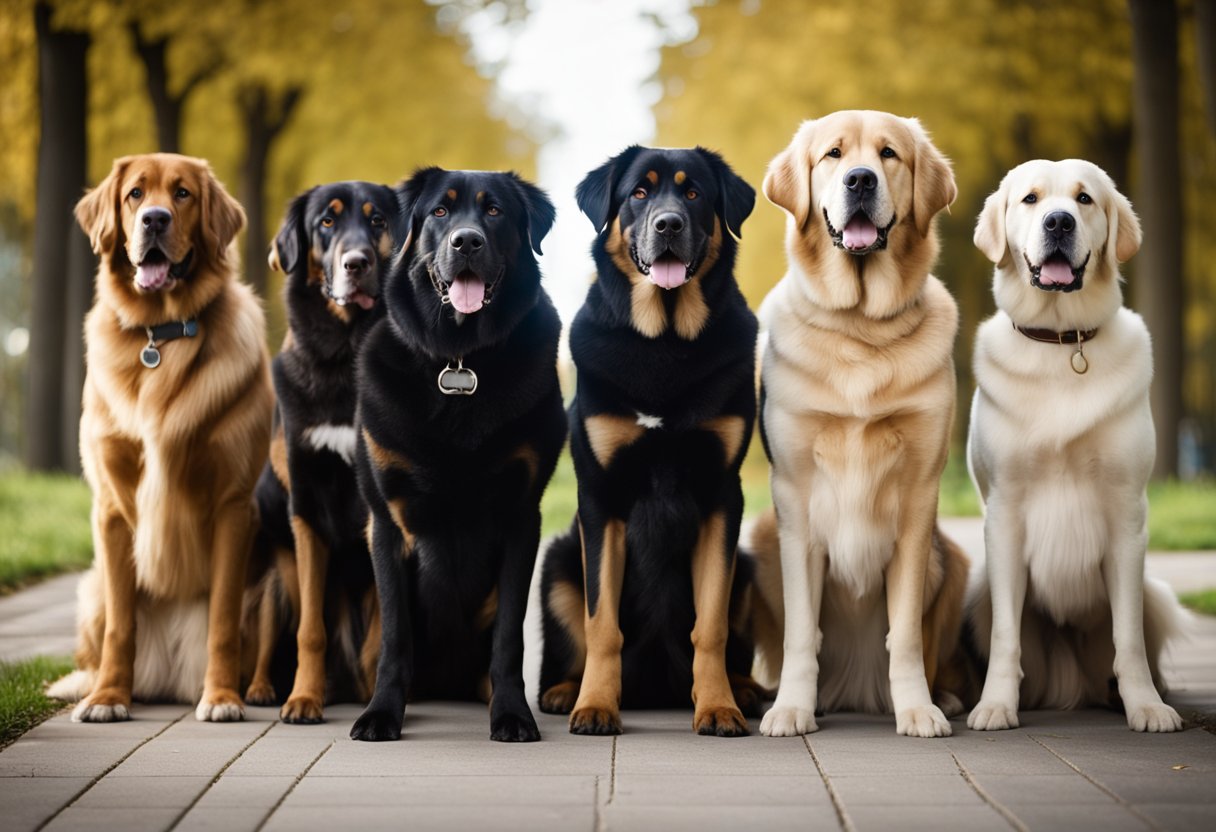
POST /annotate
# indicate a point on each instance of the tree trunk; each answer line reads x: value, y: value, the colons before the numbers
x: 265, y: 117
x: 1205, y: 42
x: 82, y: 267
x: 1157, y: 290
x: 63, y: 106
x: 166, y: 107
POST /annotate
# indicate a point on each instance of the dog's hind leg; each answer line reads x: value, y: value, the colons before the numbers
x: 261, y: 689
x: 565, y: 641
x: 234, y: 524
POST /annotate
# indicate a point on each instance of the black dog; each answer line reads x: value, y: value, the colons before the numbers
x: 333, y: 245
x: 665, y: 348
x: 460, y: 425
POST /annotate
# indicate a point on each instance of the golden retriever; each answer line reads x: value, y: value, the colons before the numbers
x: 1061, y: 447
x: 858, y: 398
x: 174, y: 431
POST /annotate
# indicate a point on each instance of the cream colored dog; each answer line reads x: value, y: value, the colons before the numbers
x: 1061, y: 448
x: 858, y: 381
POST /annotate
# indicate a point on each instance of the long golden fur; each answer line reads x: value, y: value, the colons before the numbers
x: 172, y: 453
x: 858, y: 381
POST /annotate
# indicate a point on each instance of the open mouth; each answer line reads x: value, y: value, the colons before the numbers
x: 667, y: 271
x: 1056, y: 273
x: 860, y: 235
x: 156, y: 271
x: 357, y: 296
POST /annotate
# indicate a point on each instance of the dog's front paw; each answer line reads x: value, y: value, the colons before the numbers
x: 302, y: 710
x: 922, y: 721
x: 220, y: 706
x: 1154, y: 718
x: 595, y: 721
x: 720, y: 722
x: 560, y: 698
x: 992, y: 716
x: 260, y: 693
x: 781, y: 721
x: 376, y: 726
x: 103, y: 706
x: 511, y: 727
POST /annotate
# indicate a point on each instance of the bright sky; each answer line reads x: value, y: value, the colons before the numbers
x: 587, y: 68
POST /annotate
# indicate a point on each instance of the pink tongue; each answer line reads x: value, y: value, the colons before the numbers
x: 468, y: 292
x: 1056, y: 273
x: 364, y: 300
x: 667, y: 273
x: 859, y: 233
x: 152, y: 275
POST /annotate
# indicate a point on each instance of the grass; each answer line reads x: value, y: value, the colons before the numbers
x: 44, y: 527
x: 1182, y: 516
x: 22, y: 703
x: 1204, y: 602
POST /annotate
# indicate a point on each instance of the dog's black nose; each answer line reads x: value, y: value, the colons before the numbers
x: 1059, y: 223
x: 155, y: 220
x: 356, y: 262
x: 861, y: 179
x: 467, y: 240
x: 669, y: 223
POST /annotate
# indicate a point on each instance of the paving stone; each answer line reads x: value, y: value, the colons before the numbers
x: 245, y: 792
x: 112, y: 792
x: 886, y: 761
x: 221, y: 819
x: 1180, y: 817
x: 428, y: 818
x: 454, y: 790
x: 278, y: 754
x: 981, y: 818
x: 1187, y: 786
x: 712, y: 818
x: 651, y: 751
x: 1109, y: 818
x: 1017, y: 789
x: 25, y: 802
x: 719, y: 790
x: 113, y: 820
x: 907, y: 790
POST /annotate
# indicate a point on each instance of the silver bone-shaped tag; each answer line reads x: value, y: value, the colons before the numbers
x: 458, y: 380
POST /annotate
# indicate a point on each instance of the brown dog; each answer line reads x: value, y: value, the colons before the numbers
x: 175, y: 428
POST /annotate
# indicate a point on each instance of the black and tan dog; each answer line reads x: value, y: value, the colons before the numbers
x: 460, y: 424
x: 665, y: 351
x: 333, y: 244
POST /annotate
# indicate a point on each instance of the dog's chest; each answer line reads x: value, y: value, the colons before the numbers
x: 331, y: 438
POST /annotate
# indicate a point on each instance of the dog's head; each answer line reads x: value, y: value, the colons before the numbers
x: 867, y: 185
x: 162, y: 223
x: 337, y: 239
x: 467, y: 258
x: 1057, y: 232
x: 661, y: 212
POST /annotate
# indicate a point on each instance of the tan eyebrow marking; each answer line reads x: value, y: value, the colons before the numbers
x: 680, y: 177
x: 653, y: 177
x: 451, y: 193
x: 480, y: 196
x: 336, y: 206
x: 367, y: 209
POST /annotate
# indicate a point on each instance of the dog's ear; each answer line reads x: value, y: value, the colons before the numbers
x: 787, y: 183
x: 98, y: 211
x: 408, y: 192
x: 933, y: 187
x: 596, y: 194
x: 736, y: 198
x: 223, y: 217
x: 990, y: 227
x: 1123, y: 234
x: 291, y: 241
x: 539, y: 211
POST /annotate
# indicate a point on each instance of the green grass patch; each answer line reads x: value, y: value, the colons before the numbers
x: 22, y: 702
x: 44, y: 527
x: 1204, y: 602
x: 1182, y: 516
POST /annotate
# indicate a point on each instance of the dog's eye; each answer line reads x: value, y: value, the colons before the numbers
x: 834, y: 152
x: 639, y: 193
x: 887, y: 153
x: 1030, y: 199
x: 1084, y: 198
x: 328, y: 222
x: 440, y: 211
x: 181, y: 193
x: 377, y: 221
x: 692, y: 195
x: 493, y: 211
x: 136, y: 193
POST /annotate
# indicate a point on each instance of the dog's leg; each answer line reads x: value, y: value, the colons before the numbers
x: 261, y: 689
x: 382, y: 718
x: 713, y: 567
x: 233, y: 538
x: 511, y: 719
x: 304, y: 705
x: 803, y: 572
x: 1007, y: 577
x: 1123, y: 570
x: 369, y: 654
x: 598, y: 709
x: 915, y: 713
x: 110, y: 699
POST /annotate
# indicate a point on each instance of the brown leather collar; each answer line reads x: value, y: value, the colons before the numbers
x: 1050, y: 336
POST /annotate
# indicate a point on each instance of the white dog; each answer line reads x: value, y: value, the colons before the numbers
x: 1060, y: 448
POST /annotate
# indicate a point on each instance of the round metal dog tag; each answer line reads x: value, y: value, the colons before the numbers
x: 150, y: 357
x: 1079, y: 362
x: 457, y: 381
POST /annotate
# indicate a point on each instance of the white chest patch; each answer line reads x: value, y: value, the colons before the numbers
x: 337, y: 438
x: 649, y: 422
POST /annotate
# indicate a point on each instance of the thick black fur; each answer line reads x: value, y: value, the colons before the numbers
x: 467, y: 472
x: 314, y: 380
x: 666, y: 484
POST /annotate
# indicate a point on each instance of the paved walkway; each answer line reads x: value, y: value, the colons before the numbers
x: 162, y: 770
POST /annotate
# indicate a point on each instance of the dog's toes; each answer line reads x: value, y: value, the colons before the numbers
x: 222, y: 706
x: 90, y: 711
x: 514, y: 728
x: 783, y: 721
x: 950, y: 704
x: 260, y: 693
x: 992, y: 716
x: 720, y: 722
x: 560, y: 698
x: 302, y: 710
x: 376, y: 726
x: 595, y: 721
x: 924, y: 721
x: 1155, y: 718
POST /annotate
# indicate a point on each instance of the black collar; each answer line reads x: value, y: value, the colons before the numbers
x: 149, y: 356
x: 1050, y: 336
